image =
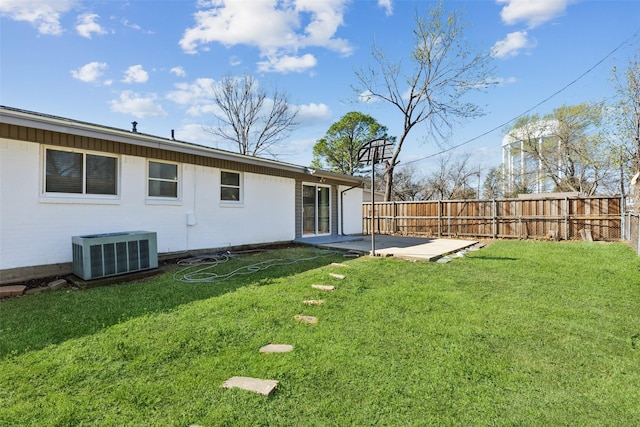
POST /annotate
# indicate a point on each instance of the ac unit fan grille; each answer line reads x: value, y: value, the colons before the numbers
x: 113, y: 254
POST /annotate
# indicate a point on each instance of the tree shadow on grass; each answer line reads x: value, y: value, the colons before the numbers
x: 33, y: 322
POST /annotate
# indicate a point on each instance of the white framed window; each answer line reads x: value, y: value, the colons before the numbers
x: 76, y: 172
x: 230, y: 187
x: 163, y: 180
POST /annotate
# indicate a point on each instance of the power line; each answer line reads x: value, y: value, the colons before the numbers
x: 532, y: 108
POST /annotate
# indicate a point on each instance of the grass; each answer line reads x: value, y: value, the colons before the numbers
x: 519, y: 333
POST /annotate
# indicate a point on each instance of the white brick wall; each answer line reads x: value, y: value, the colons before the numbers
x: 37, y: 230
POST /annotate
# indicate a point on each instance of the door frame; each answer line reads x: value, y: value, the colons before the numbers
x: 316, y: 206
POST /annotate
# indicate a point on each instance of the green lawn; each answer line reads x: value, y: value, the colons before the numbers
x: 518, y: 333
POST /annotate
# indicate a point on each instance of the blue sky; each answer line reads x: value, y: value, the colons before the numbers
x: 155, y: 61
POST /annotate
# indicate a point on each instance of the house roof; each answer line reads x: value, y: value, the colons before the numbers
x: 32, y: 119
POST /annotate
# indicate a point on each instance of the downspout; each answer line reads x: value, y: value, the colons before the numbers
x: 342, y: 207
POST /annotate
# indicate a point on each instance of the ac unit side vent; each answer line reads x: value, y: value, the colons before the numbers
x: 103, y: 255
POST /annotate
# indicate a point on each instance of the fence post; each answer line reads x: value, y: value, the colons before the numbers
x: 519, y: 210
x: 566, y: 218
x: 439, y: 220
x: 449, y: 218
x: 622, y: 221
x: 494, y: 218
x: 395, y: 217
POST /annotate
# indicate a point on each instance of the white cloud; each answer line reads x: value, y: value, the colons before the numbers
x: 512, y: 45
x: 312, y: 114
x: 90, y: 73
x: 44, y: 15
x: 387, y: 6
x: 367, y: 98
x: 197, y: 133
x: 204, y: 110
x: 286, y: 64
x: 196, y: 93
x: 198, y: 98
x: 135, y: 74
x: 533, y: 12
x: 278, y: 29
x: 87, y: 25
x: 138, y: 106
x: 125, y: 22
x: 178, y: 71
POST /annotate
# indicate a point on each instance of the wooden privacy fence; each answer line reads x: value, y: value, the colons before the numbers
x: 597, y: 218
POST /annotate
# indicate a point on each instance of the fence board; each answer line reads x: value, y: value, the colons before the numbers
x: 504, y: 218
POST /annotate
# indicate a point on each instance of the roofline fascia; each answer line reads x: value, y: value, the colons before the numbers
x: 54, y: 124
x: 59, y: 124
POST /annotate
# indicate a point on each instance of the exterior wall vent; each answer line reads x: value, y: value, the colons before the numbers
x: 102, y: 255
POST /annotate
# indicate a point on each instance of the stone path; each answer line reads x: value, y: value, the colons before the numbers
x: 267, y: 387
x: 7, y: 291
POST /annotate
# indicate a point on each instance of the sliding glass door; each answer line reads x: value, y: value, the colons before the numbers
x: 316, y: 210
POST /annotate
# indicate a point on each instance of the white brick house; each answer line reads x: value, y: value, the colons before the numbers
x: 61, y: 178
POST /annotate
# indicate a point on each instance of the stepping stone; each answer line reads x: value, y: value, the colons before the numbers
x: 338, y: 264
x: 306, y: 319
x: 324, y: 287
x: 336, y: 276
x: 276, y: 348
x: 58, y: 284
x: 256, y: 385
x: 12, y: 290
x: 313, y: 302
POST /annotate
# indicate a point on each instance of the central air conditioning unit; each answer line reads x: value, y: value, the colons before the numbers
x: 103, y: 255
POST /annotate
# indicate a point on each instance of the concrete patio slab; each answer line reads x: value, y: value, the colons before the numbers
x: 413, y: 248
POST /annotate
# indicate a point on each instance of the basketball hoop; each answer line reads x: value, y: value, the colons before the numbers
x: 372, y: 153
x: 375, y: 151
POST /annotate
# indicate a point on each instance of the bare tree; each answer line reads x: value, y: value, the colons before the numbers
x: 452, y: 179
x: 249, y: 117
x: 440, y: 72
x: 493, y: 185
x: 627, y: 121
x: 408, y: 184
